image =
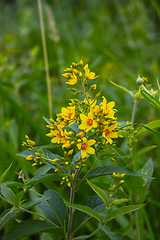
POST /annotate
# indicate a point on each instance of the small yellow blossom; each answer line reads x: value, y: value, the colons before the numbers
x: 85, y: 147
x: 87, y: 122
x: 89, y: 75
x: 67, y: 116
x: 108, y: 133
x: 57, y: 135
x: 108, y: 108
x: 73, y: 79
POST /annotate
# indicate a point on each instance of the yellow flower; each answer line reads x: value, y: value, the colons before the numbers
x: 68, y: 114
x: 108, y: 133
x: 87, y: 122
x: 108, y: 108
x: 73, y: 79
x: 57, y: 135
x: 85, y: 147
x: 89, y: 75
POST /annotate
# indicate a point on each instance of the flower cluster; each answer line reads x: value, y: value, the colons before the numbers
x: 84, y: 127
x: 76, y: 73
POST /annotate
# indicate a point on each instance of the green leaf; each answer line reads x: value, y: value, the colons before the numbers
x: 42, y: 170
x: 31, y: 227
x: 135, y: 184
x: 94, y: 202
x: 18, y: 197
x: 54, y: 208
x: 119, y: 201
x: 47, y: 120
x: 123, y: 88
x: 152, y: 125
x: 45, y: 177
x: 152, y: 100
x: 120, y: 211
x: 14, y: 212
x: 48, y: 146
x: 26, y: 153
x: 118, y: 152
x: 108, y: 170
x: 151, y: 130
x: 148, y: 169
x: 7, y: 193
x: 9, y: 216
x: 106, y: 186
x: 14, y: 184
x: 142, y: 151
x: 4, y: 174
x: 99, y: 191
x: 114, y: 236
x: 86, y: 210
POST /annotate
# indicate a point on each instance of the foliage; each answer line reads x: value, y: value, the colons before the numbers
x: 118, y: 40
x: 82, y: 129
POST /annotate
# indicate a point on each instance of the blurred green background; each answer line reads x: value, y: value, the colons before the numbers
x: 118, y: 39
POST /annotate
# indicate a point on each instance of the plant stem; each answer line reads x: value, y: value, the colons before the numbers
x: 131, y: 154
x: 34, y: 213
x: 92, y: 234
x: 45, y: 58
x: 72, y: 193
x: 86, y: 174
x: 134, y: 112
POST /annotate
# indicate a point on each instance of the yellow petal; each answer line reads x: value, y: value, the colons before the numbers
x: 90, y: 150
x: 83, y: 153
x: 83, y: 117
x: 91, y: 142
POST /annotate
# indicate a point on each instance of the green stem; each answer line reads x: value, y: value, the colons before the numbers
x: 91, y: 235
x: 134, y: 112
x: 45, y: 58
x: 131, y: 154
x: 34, y: 213
x: 72, y: 193
x: 80, y: 182
x: 85, y: 222
x: 132, y: 124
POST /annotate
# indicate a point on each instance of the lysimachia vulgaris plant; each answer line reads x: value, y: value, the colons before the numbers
x: 83, y: 137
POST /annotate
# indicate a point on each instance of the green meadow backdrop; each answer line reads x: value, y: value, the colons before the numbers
x: 118, y: 39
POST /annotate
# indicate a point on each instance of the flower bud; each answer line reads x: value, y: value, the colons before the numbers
x: 30, y: 157
x: 140, y: 81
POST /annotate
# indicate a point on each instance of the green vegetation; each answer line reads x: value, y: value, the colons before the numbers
x: 120, y: 41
